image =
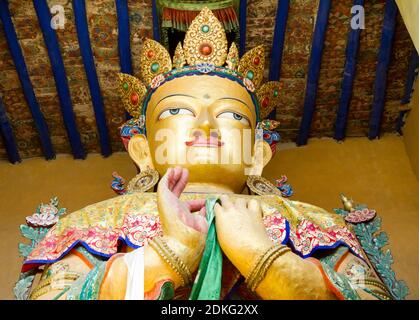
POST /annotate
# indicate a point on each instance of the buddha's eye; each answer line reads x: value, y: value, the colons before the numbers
x: 234, y: 116
x: 174, y: 112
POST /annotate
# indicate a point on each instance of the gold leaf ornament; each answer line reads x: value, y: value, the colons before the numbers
x: 154, y: 60
x: 179, y: 57
x: 144, y: 181
x: 132, y: 92
x: 252, y: 65
x: 205, y: 41
x: 233, y: 57
x: 268, y: 96
x: 261, y: 186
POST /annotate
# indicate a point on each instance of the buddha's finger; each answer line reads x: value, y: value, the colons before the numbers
x: 218, y: 209
x: 226, y: 202
x: 203, y: 212
x: 174, y: 177
x: 166, y: 180
x: 240, y: 203
x: 254, y: 206
x: 182, y: 176
x: 195, y: 205
x: 168, y: 204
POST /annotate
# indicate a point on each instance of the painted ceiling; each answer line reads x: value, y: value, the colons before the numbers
x: 102, y: 23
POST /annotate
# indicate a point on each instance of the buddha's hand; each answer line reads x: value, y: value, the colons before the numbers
x: 241, y: 232
x: 184, y: 223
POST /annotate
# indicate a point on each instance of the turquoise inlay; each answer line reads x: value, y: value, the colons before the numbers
x: 155, y: 67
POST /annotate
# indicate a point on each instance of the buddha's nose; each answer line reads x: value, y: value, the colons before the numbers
x: 213, y: 133
x: 205, y: 128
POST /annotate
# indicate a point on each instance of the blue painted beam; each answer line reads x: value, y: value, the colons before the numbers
x: 278, y: 43
x: 348, y: 80
x: 79, y: 8
x: 401, y: 121
x: 6, y: 132
x: 124, y: 38
x: 22, y: 71
x: 155, y: 14
x: 61, y: 83
x: 384, y: 56
x: 278, y: 39
x: 314, y: 70
x: 412, y: 74
x: 242, y: 23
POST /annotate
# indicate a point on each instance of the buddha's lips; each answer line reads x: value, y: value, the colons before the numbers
x: 205, y: 142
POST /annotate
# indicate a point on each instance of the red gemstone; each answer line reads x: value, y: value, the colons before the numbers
x: 150, y: 54
x: 265, y: 102
x: 256, y: 60
x: 134, y: 98
x: 205, y: 49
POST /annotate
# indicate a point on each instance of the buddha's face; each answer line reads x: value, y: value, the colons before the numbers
x: 205, y: 124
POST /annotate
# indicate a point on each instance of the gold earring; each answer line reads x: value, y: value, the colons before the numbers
x: 144, y: 181
x: 261, y: 186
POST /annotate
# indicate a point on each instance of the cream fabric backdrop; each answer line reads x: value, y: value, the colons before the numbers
x: 409, y: 10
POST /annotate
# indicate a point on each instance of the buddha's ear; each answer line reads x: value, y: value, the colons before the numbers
x: 139, y: 151
x: 261, y: 156
x: 267, y: 153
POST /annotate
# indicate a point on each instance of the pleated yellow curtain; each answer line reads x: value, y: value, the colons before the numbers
x: 409, y: 10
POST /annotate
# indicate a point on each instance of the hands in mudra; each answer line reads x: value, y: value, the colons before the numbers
x: 243, y: 239
x: 240, y: 230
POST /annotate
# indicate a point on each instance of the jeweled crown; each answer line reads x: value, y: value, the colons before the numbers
x: 204, y: 50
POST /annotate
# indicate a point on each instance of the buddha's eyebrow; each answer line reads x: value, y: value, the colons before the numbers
x: 175, y: 95
x: 231, y: 98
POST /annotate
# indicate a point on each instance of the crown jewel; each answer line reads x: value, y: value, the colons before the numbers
x: 204, y: 50
x: 205, y: 40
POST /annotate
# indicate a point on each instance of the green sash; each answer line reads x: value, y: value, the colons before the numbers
x: 207, y: 284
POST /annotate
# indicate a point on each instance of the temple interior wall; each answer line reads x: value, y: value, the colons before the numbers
x: 377, y: 173
x: 411, y: 132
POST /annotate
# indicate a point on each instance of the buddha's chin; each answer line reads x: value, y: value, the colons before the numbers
x: 212, y: 178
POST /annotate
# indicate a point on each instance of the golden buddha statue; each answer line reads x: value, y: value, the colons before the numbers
x: 195, y: 125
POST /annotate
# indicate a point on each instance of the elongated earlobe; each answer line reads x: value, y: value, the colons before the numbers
x: 261, y: 157
x: 139, y: 152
